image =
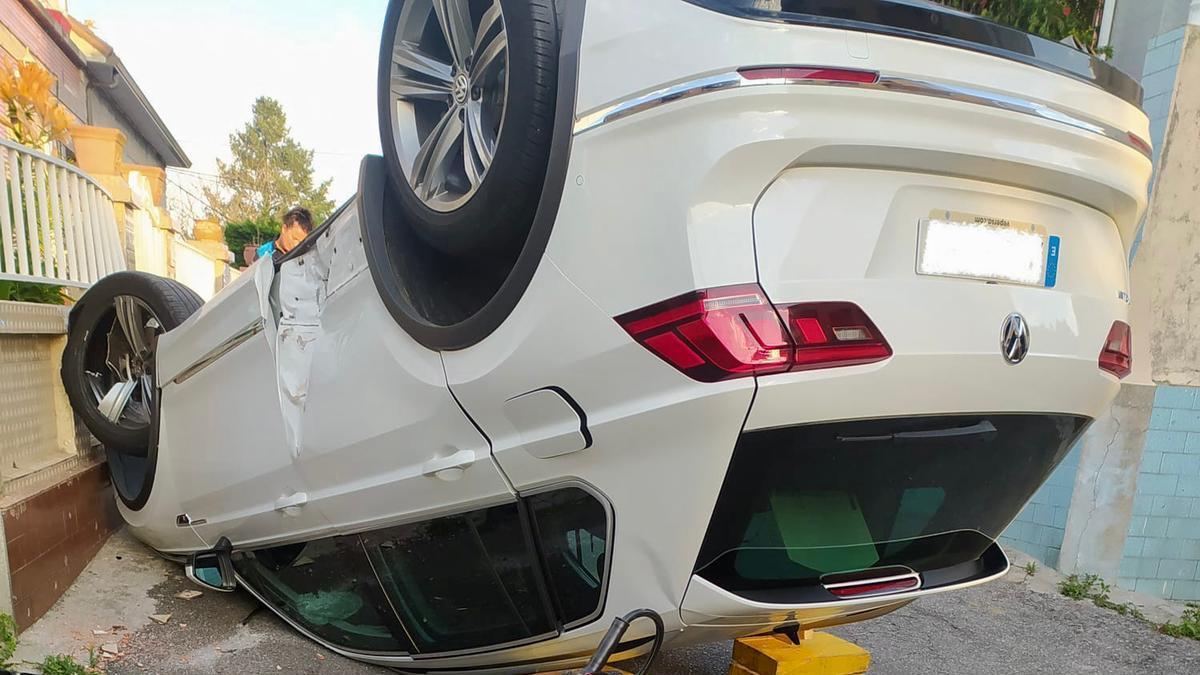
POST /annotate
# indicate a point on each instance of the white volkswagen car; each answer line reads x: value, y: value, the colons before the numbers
x: 763, y: 315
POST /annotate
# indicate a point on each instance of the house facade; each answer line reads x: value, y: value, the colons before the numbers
x: 71, y: 212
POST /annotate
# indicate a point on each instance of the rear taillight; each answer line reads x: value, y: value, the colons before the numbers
x: 734, y: 331
x: 879, y: 586
x: 714, y: 334
x: 1116, y: 356
x: 832, y: 334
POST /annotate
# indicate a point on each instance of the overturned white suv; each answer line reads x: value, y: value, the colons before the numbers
x: 762, y: 315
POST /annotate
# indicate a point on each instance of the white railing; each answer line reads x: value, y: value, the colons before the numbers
x: 57, y: 225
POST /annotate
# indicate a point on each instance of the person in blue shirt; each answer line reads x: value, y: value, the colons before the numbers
x: 297, y: 224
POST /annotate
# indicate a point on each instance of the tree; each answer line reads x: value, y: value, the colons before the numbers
x: 1053, y: 19
x: 270, y: 171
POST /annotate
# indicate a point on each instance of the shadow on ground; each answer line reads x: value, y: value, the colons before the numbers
x: 1016, y: 625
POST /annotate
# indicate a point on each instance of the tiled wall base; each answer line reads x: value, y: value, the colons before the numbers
x: 52, y: 535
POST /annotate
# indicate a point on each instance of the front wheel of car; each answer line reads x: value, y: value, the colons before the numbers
x: 108, y: 366
x: 466, y: 113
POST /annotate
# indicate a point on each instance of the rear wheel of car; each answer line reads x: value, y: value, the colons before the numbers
x: 108, y: 367
x: 466, y: 113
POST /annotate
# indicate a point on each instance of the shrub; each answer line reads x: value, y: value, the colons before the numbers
x: 237, y: 235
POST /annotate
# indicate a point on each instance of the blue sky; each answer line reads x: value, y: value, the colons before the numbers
x: 202, y: 64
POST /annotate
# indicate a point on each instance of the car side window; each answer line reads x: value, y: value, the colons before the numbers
x: 327, y: 588
x: 486, y: 579
x: 463, y: 582
x: 572, y: 528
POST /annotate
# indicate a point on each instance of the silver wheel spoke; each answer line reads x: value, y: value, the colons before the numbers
x: 471, y: 160
x: 408, y: 58
x: 477, y: 152
x: 147, y: 383
x: 132, y: 324
x: 490, y: 17
x: 454, y: 17
x: 113, y: 405
x: 93, y: 380
x: 489, y: 54
x: 408, y: 88
x: 429, y: 167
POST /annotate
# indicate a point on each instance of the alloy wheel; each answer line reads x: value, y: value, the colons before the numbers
x: 119, y: 368
x: 449, y: 91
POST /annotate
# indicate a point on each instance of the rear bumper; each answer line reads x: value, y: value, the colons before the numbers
x: 709, y: 605
x: 802, y: 508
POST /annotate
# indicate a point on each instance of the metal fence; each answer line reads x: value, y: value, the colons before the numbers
x: 57, y: 225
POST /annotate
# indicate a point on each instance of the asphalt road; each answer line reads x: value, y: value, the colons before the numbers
x: 1011, y: 626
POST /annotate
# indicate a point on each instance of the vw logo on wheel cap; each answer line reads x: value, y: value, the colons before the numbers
x: 1014, y: 338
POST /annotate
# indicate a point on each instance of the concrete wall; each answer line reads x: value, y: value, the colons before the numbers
x: 1038, y: 530
x: 1162, y: 549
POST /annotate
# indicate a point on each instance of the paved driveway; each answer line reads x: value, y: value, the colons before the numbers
x: 1012, y: 626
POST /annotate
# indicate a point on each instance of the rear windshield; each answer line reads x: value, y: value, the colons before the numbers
x: 803, y: 502
x: 936, y: 23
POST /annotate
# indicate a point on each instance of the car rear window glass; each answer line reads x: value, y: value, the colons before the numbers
x: 328, y: 589
x: 572, y: 530
x: 802, y: 502
x: 463, y: 582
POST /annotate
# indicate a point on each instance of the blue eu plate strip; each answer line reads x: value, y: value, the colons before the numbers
x: 1052, y: 253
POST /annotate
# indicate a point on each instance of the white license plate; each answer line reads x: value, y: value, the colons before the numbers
x: 994, y: 249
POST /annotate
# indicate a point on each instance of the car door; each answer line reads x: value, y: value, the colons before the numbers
x: 379, y: 438
x: 222, y: 423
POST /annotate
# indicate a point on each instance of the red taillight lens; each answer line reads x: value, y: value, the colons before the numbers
x: 865, y: 588
x: 817, y: 74
x: 1117, y: 355
x: 734, y: 331
x: 714, y: 334
x: 832, y: 334
x: 1141, y: 144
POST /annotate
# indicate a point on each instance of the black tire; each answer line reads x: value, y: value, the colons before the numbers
x: 498, y: 216
x: 92, y: 318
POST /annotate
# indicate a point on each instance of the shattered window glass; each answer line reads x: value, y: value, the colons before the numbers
x: 326, y: 586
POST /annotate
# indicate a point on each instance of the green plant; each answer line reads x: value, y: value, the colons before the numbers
x: 8, y: 639
x: 1123, y: 608
x: 1052, y: 19
x: 1030, y: 568
x: 1188, y: 626
x: 1079, y: 588
x: 238, y: 235
x: 24, y: 291
x: 63, y: 664
x: 1092, y: 587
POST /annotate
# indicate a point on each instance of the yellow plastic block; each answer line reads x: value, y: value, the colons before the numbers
x: 817, y: 654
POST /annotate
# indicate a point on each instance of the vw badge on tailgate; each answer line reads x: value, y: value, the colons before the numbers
x: 1014, y: 338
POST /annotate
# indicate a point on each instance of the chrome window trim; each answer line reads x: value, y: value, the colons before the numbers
x: 621, y: 109
x: 610, y: 529
x: 228, y: 345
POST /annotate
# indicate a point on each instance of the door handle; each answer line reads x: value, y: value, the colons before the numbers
x: 290, y: 505
x: 449, y: 468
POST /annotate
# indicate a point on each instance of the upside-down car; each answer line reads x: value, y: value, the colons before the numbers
x: 760, y: 314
